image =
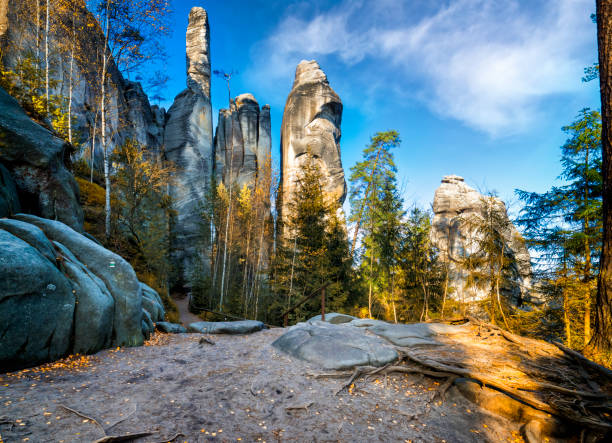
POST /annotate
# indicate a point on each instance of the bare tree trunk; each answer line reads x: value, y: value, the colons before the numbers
x: 601, y: 341
x: 292, y: 268
x: 71, y: 81
x: 38, y: 33
x: 229, y: 204
x: 107, y: 202
x: 47, y: 58
x: 370, y: 292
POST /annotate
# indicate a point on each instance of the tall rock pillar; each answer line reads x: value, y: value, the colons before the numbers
x: 188, y: 143
x: 245, y: 155
x: 311, y: 123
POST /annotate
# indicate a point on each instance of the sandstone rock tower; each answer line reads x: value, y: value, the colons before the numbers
x: 456, y: 206
x: 311, y: 122
x: 189, y: 146
x: 250, y: 144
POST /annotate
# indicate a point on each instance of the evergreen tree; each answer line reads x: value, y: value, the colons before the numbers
x: 565, y: 223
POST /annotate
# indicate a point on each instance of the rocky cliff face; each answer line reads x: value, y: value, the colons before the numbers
x: 311, y: 122
x: 129, y: 112
x: 456, y: 208
x: 34, y: 157
x: 243, y: 142
x: 189, y: 146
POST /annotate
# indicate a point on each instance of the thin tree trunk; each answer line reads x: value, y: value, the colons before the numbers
x: 229, y: 205
x: 38, y: 34
x: 370, y: 292
x: 70, y: 81
x: 292, y: 268
x: 47, y: 58
x: 107, y: 202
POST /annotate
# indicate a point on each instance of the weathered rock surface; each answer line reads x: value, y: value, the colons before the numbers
x: 243, y: 141
x: 189, y: 146
x: 113, y: 270
x: 9, y: 200
x: 410, y: 335
x: 334, y: 318
x: 66, y: 296
x: 311, y: 123
x: 456, y: 207
x: 130, y: 115
x: 35, y: 160
x: 335, y: 346
x: 170, y: 328
x: 36, y: 306
x: 226, y: 327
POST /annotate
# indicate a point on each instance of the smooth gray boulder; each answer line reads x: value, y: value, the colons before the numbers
x: 31, y: 235
x: 334, y: 318
x: 311, y: 123
x: 36, y: 306
x: 170, y: 328
x: 9, y: 200
x: 335, y: 346
x: 93, y: 319
x: 188, y: 141
x: 243, y: 141
x: 116, y: 273
x: 226, y: 327
x: 152, y: 306
x: 415, y: 334
x: 146, y: 289
x: 148, y: 327
x: 35, y: 159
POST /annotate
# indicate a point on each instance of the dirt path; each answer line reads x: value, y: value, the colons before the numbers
x: 240, y: 389
x: 183, y: 309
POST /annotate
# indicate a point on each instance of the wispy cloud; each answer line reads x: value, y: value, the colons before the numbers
x: 487, y: 63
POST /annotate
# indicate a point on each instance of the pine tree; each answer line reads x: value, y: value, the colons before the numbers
x: 565, y: 223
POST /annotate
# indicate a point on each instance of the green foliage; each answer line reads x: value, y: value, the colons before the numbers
x: 565, y: 225
x: 313, y: 251
x: 26, y: 83
x: 142, y: 210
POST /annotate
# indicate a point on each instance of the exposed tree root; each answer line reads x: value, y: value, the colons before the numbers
x: 126, y: 437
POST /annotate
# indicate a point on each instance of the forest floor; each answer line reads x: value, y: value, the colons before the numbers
x: 186, y: 316
x: 239, y: 389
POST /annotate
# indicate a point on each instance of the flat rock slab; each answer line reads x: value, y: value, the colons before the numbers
x: 334, y: 318
x: 335, y: 346
x: 226, y: 327
x: 416, y: 334
x: 170, y: 328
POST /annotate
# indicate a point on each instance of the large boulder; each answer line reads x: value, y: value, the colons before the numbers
x: 335, y: 346
x: 35, y: 159
x: 243, y: 142
x: 410, y: 335
x: 226, y: 327
x: 9, y: 200
x: 93, y: 319
x: 188, y: 141
x: 36, y: 306
x: 116, y: 273
x: 311, y: 123
x: 458, y: 209
x: 31, y: 235
x: 334, y: 318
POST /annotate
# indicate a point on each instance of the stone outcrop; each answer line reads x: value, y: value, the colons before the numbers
x: 35, y: 159
x: 457, y: 207
x: 9, y: 200
x: 62, y: 293
x: 243, y: 141
x: 189, y: 146
x: 129, y: 115
x: 311, y: 123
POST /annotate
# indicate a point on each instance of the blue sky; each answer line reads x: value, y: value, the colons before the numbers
x: 477, y: 88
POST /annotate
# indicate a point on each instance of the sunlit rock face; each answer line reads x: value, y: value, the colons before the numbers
x: 311, y: 123
x: 188, y: 145
x: 457, y: 209
x: 243, y: 142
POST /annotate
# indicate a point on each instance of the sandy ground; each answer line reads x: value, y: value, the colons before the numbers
x: 185, y: 315
x: 240, y: 389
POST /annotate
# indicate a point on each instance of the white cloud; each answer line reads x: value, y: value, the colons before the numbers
x: 487, y: 63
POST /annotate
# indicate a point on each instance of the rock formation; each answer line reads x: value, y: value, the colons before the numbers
x: 311, y: 123
x: 35, y: 159
x: 456, y: 207
x: 62, y: 293
x: 188, y: 143
x: 129, y: 116
x: 249, y: 142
